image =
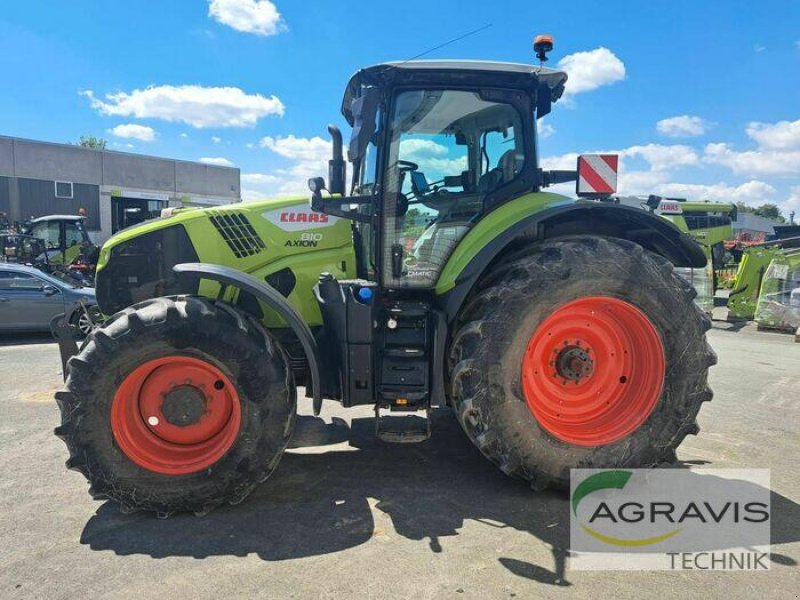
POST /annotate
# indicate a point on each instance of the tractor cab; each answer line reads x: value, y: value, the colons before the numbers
x: 65, y: 236
x: 435, y: 146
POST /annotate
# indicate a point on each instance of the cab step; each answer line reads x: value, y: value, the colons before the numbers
x: 404, y: 428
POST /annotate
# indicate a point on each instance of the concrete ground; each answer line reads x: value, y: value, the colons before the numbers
x: 348, y: 516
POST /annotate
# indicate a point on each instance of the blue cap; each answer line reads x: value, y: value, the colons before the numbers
x: 365, y: 294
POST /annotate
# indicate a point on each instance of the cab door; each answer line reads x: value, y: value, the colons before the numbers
x: 449, y: 152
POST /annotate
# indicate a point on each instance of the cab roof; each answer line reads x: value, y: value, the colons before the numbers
x: 454, y: 72
x: 58, y: 218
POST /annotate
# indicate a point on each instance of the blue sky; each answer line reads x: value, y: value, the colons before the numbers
x: 701, y: 98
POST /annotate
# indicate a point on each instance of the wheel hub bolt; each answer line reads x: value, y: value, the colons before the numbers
x: 573, y: 363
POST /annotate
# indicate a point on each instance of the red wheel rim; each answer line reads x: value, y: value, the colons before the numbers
x: 176, y: 415
x: 593, y: 371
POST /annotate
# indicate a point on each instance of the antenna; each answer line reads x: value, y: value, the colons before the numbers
x: 455, y: 39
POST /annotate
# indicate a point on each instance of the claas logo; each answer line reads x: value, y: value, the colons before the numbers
x: 302, y: 217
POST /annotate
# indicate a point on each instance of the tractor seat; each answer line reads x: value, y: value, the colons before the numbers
x: 509, y: 165
x: 490, y: 181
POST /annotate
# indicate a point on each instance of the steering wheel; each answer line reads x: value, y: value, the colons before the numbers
x: 406, y: 166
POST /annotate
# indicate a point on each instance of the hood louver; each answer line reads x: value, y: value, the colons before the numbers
x: 238, y: 233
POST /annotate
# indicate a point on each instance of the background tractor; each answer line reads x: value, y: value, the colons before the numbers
x: 749, y: 280
x: 58, y: 245
x: 68, y: 244
x: 556, y: 329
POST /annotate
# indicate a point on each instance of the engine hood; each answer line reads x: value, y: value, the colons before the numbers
x: 259, y: 238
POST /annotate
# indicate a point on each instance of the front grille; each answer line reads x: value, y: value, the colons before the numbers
x: 238, y: 233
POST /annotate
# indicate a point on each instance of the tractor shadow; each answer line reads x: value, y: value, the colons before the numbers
x: 320, y: 502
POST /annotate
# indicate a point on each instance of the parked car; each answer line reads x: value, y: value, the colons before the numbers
x: 29, y: 299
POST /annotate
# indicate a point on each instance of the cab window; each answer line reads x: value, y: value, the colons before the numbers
x: 50, y: 232
x: 448, y: 151
x: 74, y: 234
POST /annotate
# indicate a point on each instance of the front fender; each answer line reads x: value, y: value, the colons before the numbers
x: 272, y: 298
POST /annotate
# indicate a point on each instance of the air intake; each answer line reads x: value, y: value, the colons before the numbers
x: 238, y: 233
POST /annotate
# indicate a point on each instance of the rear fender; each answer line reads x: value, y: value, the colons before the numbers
x: 568, y: 218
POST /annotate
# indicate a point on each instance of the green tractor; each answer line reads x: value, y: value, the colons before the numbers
x: 710, y: 224
x: 779, y: 298
x: 556, y: 329
x: 69, y: 249
x: 747, y: 287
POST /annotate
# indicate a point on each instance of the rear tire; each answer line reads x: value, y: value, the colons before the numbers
x: 498, y: 390
x: 227, y: 380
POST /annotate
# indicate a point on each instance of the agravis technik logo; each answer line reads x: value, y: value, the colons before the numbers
x: 670, y: 519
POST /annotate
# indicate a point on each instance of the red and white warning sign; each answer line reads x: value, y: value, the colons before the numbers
x: 597, y: 174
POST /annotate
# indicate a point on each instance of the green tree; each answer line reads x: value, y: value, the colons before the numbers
x: 90, y: 141
x: 769, y: 211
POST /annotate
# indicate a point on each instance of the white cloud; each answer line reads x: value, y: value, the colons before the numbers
x: 412, y: 148
x: 194, y: 105
x: 313, y: 150
x: 661, y: 160
x: 216, y: 139
x: 184, y: 135
x: 260, y: 17
x: 635, y: 183
x: 682, y: 126
x: 753, y: 192
x: 754, y: 162
x: 259, y: 178
x: 561, y: 162
x: 793, y: 202
x: 281, y: 182
x: 662, y: 157
x: 590, y: 70
x: 308, y: 157
x: 545, y: 130
x: 436, y: 168
x: 258, y: 186
x: 758, y: 48
x: 432, y: 158
x: 777, y: 154
x: 133, y: 131
x: 216, y: 160
x: 783, y: 135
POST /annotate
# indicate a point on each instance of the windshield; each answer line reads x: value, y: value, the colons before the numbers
x: 75, y: 233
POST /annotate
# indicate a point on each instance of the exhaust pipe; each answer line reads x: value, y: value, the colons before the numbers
x: 337, y: 168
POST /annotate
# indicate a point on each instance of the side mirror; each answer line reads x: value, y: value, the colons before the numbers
x: 316, y: 185
x: 597, y: 175
x: 49, y: 290
x: 364, y: 109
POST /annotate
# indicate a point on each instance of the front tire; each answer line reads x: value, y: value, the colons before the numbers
x: 580, y: 353
x: 177, y: 404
